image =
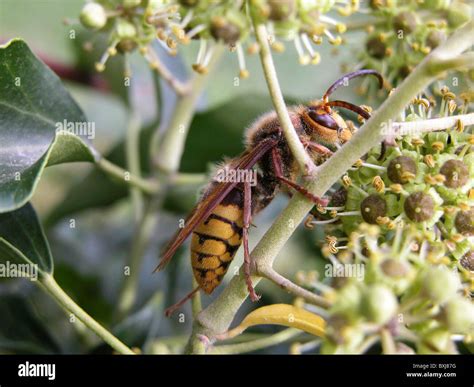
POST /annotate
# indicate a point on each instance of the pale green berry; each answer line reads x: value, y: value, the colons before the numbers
x: 93, y: 16
x: 379, y: 304
x: 440, y: 284
x: 348, y: 301
x: 126, y: 30
x: 459, y: 315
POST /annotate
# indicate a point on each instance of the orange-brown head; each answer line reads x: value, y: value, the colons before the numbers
x: 325, y: 124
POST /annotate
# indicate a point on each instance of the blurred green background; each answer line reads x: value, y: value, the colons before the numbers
x: 89, y: 258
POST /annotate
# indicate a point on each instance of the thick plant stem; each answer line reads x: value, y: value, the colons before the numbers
x: 255, y: 345
x: 217, y: 317
x: 388, y: 344
x: 50, y: 284
x: 132, y: 149
x: 143, y: 233
x: 147, y: 186
x: 269, y: 273
x: 195, y: 343
x: 196, y: 303
x: 417, y: 127
x: 304, y: 161
x: 167, y: 155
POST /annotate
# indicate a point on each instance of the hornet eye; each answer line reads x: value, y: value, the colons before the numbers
x: 324, y: 119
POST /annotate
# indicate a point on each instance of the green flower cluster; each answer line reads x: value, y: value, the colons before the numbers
x: 411, y: 29
x: 404, y: 300
x: 406, y: 215
x: 404, y: 32
x: 425, y: 180
x: 135, y: 24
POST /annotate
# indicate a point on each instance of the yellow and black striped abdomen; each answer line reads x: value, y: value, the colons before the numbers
x: 214, y: 244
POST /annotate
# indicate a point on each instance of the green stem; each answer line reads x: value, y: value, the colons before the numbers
x: 388, y: 344
x: 195, y: 345
x: 132, y: 151
x: 218, y: 316
x: 255, y: 345
x: 269, y: 273
x: 141, y: 240
x: 417, y: 127
x: 167, y: 155
x: 196, y: 303
x: 189, y: 178
x: 147, y: 186
x: 302, y: 157
x: 68, y: 303
x: 464, y: 61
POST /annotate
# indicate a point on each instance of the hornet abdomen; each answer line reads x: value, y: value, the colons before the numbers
x: 216, y: 240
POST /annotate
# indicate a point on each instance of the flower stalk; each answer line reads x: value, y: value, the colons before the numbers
x: 304, y: 161
x: 66, y: 302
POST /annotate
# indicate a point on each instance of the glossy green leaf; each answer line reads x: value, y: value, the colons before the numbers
x: 22, y: 240
x: 33, y: 104
x: 21, y: 329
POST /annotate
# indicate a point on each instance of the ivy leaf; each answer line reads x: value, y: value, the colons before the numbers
x: 22, y: 240
x: 21, y: 329
x: 33, y: 106
x: 96, y: 189
x: 280, y: 314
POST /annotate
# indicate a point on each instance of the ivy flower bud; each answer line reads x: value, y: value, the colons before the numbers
x: 126, y: 30
x: 458, y: 314
x: 372, y: 208
x: 435, y: 38
x: 419, y: 207
x: 379, y: 304
x: 401, y: 169
x: 406, y: 22
x: 455, y: 172
x: 348, y: 301
x: 93, y: 16
x: 458, y: 14
x: 281, y: 9
x: 126, y: 45
x: 394, y: 268
x: 440, y: 284
x: 467, y: 261
x: 224, y: 30
x: 464, y: 222
x: 376, y: 48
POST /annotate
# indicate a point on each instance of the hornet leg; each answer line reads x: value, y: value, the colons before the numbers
x: 277, y: 164
x: 316, y: 147
x: 169, y: 311
x: 245, y: 236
